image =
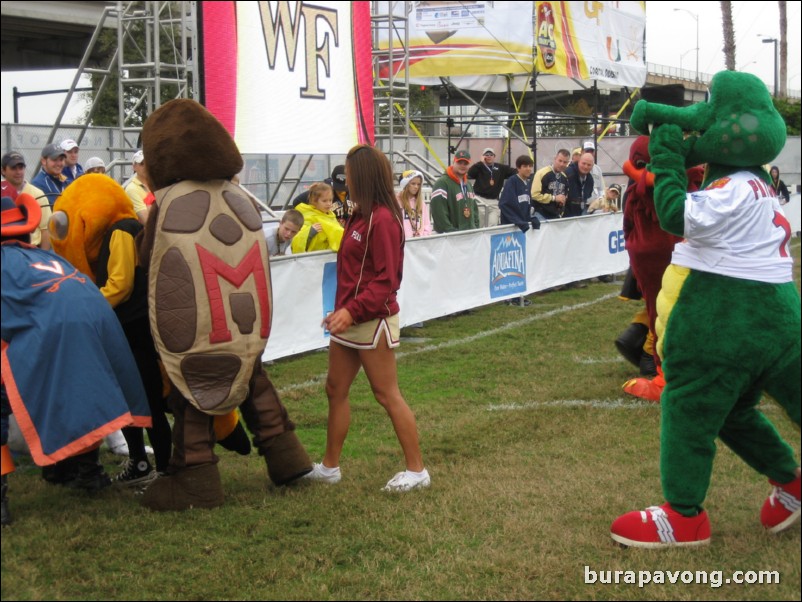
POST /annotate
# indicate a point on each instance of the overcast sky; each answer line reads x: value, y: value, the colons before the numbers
x: 670, y: 40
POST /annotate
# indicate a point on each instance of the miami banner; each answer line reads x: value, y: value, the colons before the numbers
x: 289, y: 77
x: 592, y: 40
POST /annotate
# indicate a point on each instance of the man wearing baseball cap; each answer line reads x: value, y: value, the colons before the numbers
x: 49, y: 178
x: 453, y: 204
x: 589, y: 146
x: 72, y: 169
x: 488, y: 178
x: 137, y: 188
x: 609, y: 203
x: 95, y: 165
x: 13, y: 165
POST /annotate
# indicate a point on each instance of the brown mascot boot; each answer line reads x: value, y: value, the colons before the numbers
x: 286, y: 458
x: 190, y: 487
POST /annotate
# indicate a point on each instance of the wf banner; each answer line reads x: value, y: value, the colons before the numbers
x: 289, y: 77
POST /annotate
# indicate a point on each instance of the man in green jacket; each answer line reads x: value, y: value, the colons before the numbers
x: 453, y: 204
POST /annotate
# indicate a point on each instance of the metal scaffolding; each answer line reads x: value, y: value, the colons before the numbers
x: 155, y: 60
x: 391, y: 94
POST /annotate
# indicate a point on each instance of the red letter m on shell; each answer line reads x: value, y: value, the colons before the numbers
x: 215, y: 268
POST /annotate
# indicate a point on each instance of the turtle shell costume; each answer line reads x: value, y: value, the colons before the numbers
x: 210, y: 305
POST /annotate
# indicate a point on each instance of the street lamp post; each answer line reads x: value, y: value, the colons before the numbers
x: 776, y: 77
x: 695, y: 18
x: 681, y: 57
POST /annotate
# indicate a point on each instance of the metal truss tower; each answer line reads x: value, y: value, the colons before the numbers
x: 391, y: 93
x: 155, y: 61
x: 158, y: 49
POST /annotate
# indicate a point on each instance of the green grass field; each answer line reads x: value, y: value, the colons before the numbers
x: 533, y: 451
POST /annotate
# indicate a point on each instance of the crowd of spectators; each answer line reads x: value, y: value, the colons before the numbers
x: 466, y: 197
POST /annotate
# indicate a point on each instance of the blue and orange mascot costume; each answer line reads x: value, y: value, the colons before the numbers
x: 68, y: 374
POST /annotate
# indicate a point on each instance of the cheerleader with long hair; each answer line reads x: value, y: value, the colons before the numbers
x: 364, y: 326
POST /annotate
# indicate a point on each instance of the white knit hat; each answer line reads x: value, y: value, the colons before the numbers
x: 408, y: 176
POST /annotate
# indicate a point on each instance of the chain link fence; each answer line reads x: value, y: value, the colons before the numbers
x: 106, y: 143
x: 277, y: 179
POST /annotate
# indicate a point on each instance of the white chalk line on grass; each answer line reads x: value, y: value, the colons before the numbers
x: 605, y: 404
x: 321, y: 378
x: 598, y: 360
x: 505, y: 327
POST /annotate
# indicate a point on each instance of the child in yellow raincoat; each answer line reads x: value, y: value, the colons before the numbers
x: 321, y: 230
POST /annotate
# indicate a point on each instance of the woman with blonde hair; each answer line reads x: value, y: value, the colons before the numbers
x: 413, y: 208
x: 364, y: 326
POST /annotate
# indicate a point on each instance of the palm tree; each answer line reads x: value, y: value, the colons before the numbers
x: 783, y: 50
x: 729, y: 35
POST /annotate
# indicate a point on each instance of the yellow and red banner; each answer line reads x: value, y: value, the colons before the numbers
x: 592, y: 40
x: 581, y: 40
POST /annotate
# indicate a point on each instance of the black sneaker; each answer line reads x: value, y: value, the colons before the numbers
x: 61, y: 472
x: 135, y: 474
x: 90, y: 483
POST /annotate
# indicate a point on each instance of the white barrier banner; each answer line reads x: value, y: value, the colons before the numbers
x: 444, y: 274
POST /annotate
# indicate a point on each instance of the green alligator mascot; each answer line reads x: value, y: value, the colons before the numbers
x: 728, y: 312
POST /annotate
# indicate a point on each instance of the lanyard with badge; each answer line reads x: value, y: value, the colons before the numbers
x: 490, y: 169
x: 466, y: 210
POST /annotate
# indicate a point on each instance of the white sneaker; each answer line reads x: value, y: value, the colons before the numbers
x: 324, y: 474
x: 404, y: 481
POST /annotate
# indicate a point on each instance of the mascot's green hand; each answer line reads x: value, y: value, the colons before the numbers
x: 668, y: 150
x: 667, y: 139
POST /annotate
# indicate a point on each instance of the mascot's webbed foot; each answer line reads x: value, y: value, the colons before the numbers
x: 648, y: 389
x: 286, y: 458
x: 644, y: 388
x: 189, y: 487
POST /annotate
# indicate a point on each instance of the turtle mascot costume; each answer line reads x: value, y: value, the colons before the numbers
x: 728, y: 312
x: 210, y: 305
